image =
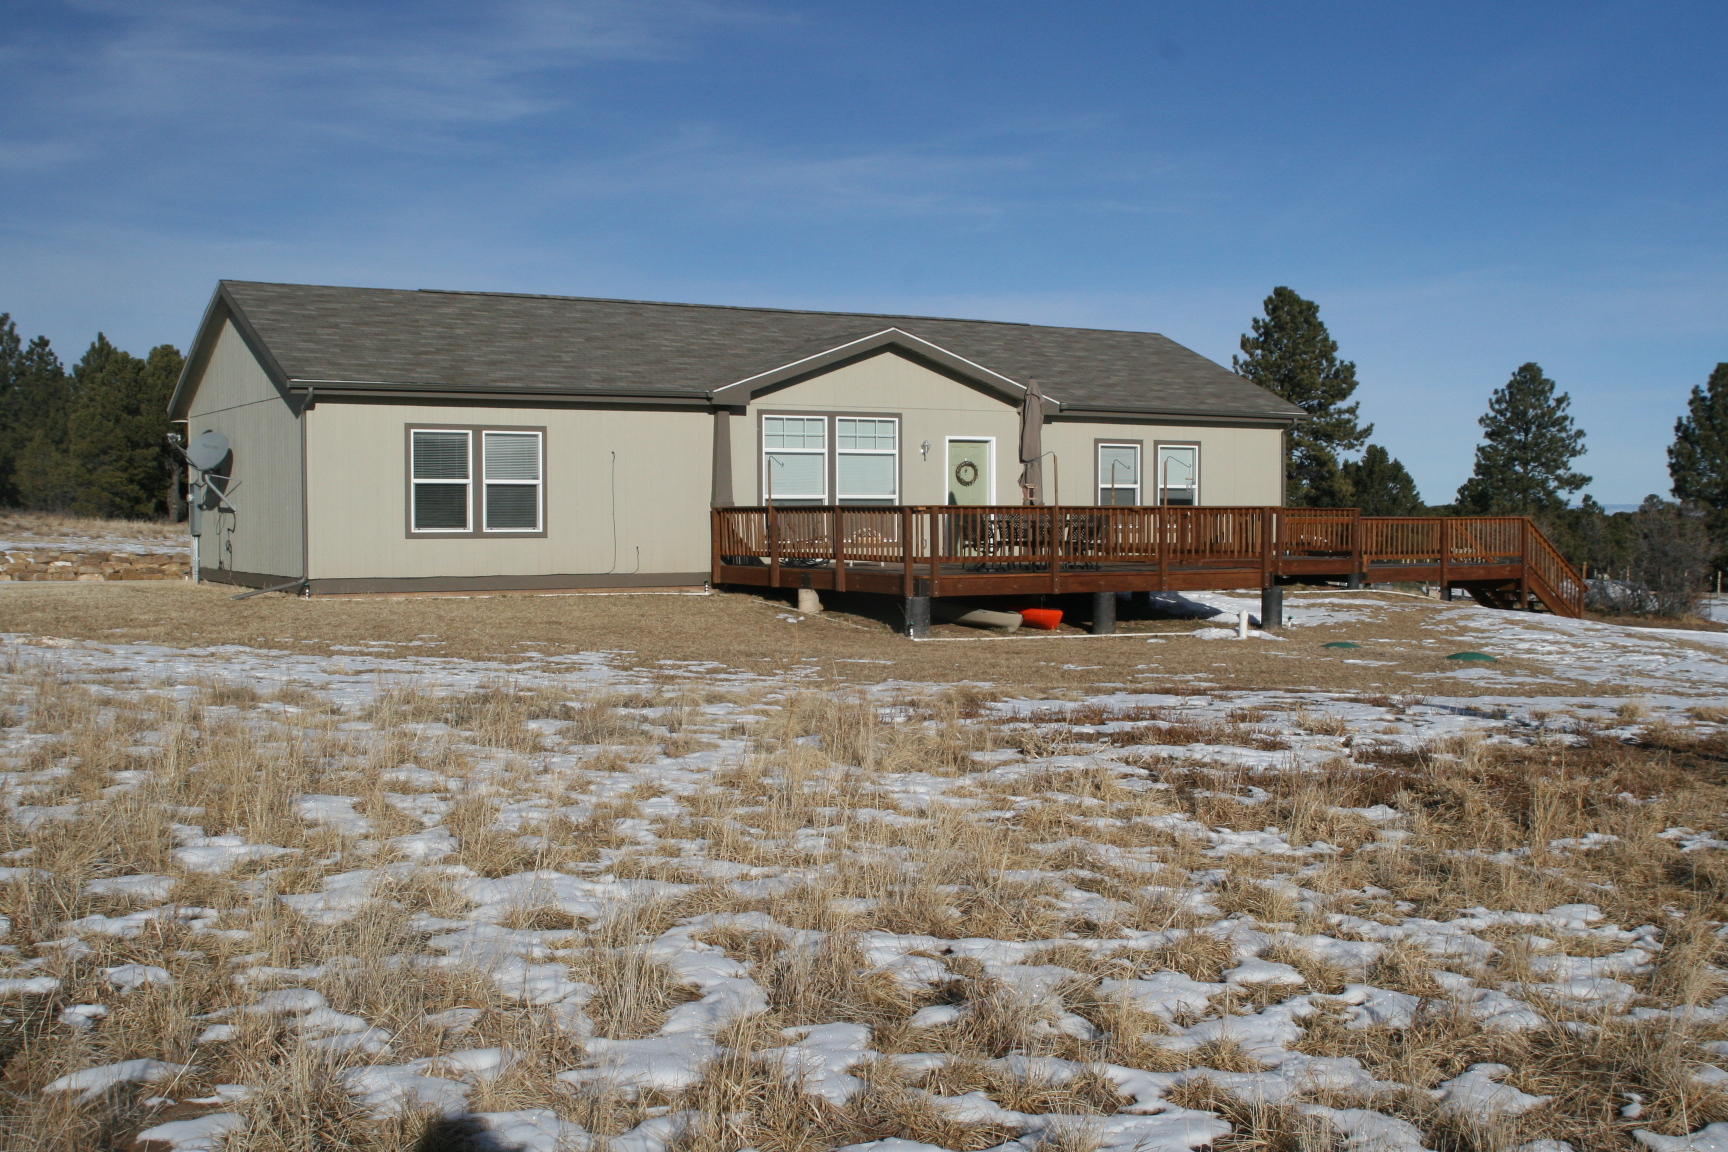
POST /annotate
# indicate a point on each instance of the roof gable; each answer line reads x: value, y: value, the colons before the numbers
x: 889, y: 339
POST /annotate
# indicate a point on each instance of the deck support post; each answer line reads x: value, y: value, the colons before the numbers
x: 917, y: 616
x: 1103, y: 613
x: 1271, y: 608
x: 1446, y: 591
x: 1354, y: 581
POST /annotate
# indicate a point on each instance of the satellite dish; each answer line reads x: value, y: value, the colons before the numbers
x: 207, y: 452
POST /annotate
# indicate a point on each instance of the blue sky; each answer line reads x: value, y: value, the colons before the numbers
x: 1461, y: 187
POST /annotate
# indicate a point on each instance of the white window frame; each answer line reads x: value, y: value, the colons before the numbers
x: 539, y: 482
x: 467, y: 485
x: 769, y: 495
x: 893, y: 453
x: 1158, y: 478
x: 1105, y: 483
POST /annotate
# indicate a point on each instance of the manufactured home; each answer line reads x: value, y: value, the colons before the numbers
x: 398, y: 441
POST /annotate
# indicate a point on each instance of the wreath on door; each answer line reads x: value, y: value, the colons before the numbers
x: 966, y: 473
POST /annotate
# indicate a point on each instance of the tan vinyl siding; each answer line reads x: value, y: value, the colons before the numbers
x: 1238, y: 465
x: 234, y: 396
x: 639, y: 476
x: 930, y: 404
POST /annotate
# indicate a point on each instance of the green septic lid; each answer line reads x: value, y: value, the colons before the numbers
x: 1473, y: 657
x: 1341, y: 644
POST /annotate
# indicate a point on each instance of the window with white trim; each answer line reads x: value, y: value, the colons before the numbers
x: 846, y: 459
x: 1178, y: 474
x: 442, y: 476
x: 867, y: 459
x: 795, y: 459
x: 511, y: 474
x: 1118, y: 474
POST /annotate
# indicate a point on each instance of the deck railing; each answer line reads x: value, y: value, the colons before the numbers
x: 925, y: 540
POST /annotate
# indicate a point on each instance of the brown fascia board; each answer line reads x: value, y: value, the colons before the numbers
x: 1201, y: 415
x: 432, y: 390
x: 222, y: 304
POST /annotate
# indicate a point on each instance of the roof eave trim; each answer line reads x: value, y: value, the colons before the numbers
x: 886, y: 338
x: 1183, y: 414
x: 327, y: 388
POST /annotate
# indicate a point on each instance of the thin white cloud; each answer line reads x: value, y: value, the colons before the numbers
x: 287, y: 74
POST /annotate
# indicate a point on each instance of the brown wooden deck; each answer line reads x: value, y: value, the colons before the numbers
x: 945, y: 551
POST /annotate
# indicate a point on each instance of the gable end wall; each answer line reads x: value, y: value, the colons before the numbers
x: 233, y: 395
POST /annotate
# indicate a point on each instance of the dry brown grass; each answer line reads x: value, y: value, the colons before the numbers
x: 902, y: 812
x: 53, y: 528
x: 742, y: 632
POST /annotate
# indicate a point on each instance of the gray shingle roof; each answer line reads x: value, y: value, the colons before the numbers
x: 550, y: 345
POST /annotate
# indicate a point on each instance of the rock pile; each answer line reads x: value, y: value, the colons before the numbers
x: 63, y: 565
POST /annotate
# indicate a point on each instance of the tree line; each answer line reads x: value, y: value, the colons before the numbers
x: 91, y: 441
x: 1524, y: 464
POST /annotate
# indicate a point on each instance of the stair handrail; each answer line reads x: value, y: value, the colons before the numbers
x: 1550, y: 566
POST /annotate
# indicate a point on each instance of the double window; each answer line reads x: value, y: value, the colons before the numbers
x: 1175, y: 477
x: 831, y: 459
x: 476, y: 481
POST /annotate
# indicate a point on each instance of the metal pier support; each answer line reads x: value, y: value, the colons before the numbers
x: 1103, y: 613
x: 1272, y: 608
x: 917, y: 616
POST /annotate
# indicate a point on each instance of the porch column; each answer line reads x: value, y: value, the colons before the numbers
x: 720, y: 480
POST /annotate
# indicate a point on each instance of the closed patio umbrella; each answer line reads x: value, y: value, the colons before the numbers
x: 1032, y: 443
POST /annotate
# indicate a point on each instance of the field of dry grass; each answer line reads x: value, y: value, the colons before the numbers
x: 1404, y: 641
x: 48, y: 530
x: 729, y: 890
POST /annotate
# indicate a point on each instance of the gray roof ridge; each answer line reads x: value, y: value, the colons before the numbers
x: 714, y: 307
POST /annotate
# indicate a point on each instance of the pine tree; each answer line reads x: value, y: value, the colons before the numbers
x: 1291, y: 354
x: 1381, y: 486
x: 34, y: 398
x: 11, y: 356
x: 117, y: 430
x: 1524, y: 463
x: 1698, y: 458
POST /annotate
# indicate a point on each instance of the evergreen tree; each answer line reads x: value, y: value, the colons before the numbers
x: 1381, y: 486
x: 1291, y: 354
x: 34, y: 397
x: 11, y: 355
x: 1670, y: 556
x: 1698, y: 458
x: 117, y: 430
x: 1524, y: 463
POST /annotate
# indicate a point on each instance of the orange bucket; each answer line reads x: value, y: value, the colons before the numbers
x: 1048, y: 619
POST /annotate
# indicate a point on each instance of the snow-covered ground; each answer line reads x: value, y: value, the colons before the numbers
x: 571, y: 906
x: 22, y: 532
